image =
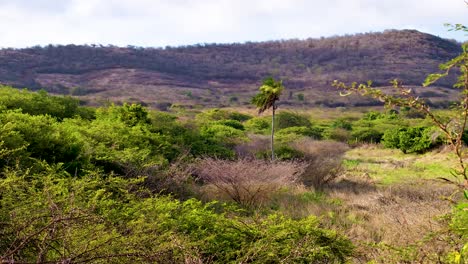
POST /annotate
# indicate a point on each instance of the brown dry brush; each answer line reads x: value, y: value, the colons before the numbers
x: 248, y: 182
x: 256, y: 144
x: 322, y: 159
x: 176, y: 179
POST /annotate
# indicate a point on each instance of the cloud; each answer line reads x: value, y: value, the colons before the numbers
x: 179, y: 22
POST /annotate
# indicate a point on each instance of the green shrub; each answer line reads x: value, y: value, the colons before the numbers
x: 40, y: 103
x: 342, y: 123
x: 231, y: 123
x: 304, y: 131
x: 287, y: 153
x: 258, y: 125
x: 338, y: 134
x: 367, y: 135
x: 465, y: 137
x: 373, y: 115
x: 130, y: 114
x: 97, y: 219
x: 412, y: 139
x: 411, y: 113
x: 460, y: 218
x: 286, y: 119
x: 239, y: 116
x: 222, y: 133
x: 290, y: 134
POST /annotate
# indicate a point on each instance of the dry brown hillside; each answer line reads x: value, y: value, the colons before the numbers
x: 227, y: 74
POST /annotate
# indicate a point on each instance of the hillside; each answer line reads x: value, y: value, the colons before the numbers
x: 222, y: 74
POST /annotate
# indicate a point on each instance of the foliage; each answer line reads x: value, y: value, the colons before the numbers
x: 367, y: 135
x: 50, y: 217
x: 338, y: 134
x: 285, y: 119
x: 411, y: 139
x: 415, y: 139
x: 459, y: 220
x: 373, y: 115
x: 220, y: 133
x: 258, y: 125
x: 231, y: 123
x: 40, y: 103
x: 286, y: 152
x: 293, y: 133
x: 269, y: 93
x: 453, y: 129
x: 342, y: 123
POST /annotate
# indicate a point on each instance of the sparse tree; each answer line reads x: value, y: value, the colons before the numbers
x: 270, y: 92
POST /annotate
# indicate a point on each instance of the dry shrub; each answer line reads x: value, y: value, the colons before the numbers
x: 323, y: 159
x: 400, y: 223
x: 175, y: 180
x: 248, y: 182
x: 256, y: 144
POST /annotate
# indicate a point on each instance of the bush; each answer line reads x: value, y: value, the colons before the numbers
x: 231, y: 123
x: 412, y: 139
x: 223, y: 134
x: 175, y: 180
x: 40, y: 103
x: 368, y: 135
x: 291, y: 134
x: 323, y: 161
x: 342, y: 123
x: 373, y: 115
x: 286, y: 119
x: 338, y: 134
x: 258, y: 125
x: 248, y: 182
x: 314, y: 133
x: 255, y: 146
x: 459, y: 218
x: 53, y: 218
x: 286, y: 153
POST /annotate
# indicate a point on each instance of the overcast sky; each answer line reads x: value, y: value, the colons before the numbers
x: 183, y: 22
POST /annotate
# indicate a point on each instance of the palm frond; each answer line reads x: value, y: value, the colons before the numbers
x: 268, y: 94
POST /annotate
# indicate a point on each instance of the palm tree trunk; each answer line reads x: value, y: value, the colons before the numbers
x: 273, y: 133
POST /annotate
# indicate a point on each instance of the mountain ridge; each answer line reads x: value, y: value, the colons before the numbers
x: 226, y: 74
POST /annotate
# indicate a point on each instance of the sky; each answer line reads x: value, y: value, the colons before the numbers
x: 160, y: 23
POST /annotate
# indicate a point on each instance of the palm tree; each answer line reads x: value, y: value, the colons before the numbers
x: 266, y: 99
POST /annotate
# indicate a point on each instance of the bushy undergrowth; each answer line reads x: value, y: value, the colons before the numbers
x: 412, y: 139
x: 122, y: 184
x: 52, y: 217
x: 79, y: 188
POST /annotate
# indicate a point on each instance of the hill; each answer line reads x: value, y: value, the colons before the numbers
x: 226, y: 74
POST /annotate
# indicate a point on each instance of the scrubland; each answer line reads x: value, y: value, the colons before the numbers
x: 126, y: 184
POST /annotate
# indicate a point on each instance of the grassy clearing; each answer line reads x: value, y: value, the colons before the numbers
x: 389, y: 166
x: 388, y: 203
